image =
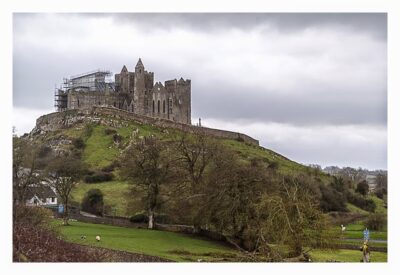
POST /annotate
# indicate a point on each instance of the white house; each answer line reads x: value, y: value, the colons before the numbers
x: 41, y: 195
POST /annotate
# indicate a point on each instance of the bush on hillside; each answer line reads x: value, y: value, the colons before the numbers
x: 93, y: 202
x: 109, y: 131
x: 78, y: 143
x: 375, y: 221
x: 361, y: 202
x: 331, y: 199
x: 109, y: 168
x: 117, y: 138
x: 362, y: 188
x: 98, y: 176
x: 274, y: 165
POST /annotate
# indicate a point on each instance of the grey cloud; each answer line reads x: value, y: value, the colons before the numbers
x: 227, y: 103
x: 346, y: 86
x: 372, y: 23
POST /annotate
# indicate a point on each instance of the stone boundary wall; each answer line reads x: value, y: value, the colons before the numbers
x: 64, y: 119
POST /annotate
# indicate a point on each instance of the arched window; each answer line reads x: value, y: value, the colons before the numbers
x: 163, y: 106
x: 78, y: 102
x: 115, y: 104
x: 158, y: 106
x: 153, y: 106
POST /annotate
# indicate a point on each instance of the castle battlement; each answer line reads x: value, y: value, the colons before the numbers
x: 134, y: 92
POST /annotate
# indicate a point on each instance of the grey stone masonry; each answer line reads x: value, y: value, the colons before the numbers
x: 137, y: 93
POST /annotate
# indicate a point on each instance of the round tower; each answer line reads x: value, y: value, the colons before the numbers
x: 139, y: 88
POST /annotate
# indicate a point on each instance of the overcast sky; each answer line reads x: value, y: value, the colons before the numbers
x: 312, y: 87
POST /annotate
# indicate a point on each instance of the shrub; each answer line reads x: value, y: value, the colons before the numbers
x: 139, y: 218
x: 44, y: 151
x: 109, y: 131
x: 380, y: 193
x: 274, y: 165
x: 117, y: 138
x: 331, y: 199
x: 93, y: 202
x: 99, y: 176
x: 78, y: 143
x: 361, y: 202
x: 375, y: 221
x: 362, y: 188
x: 109, y: 168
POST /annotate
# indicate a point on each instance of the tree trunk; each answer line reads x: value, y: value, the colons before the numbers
x: 151, y: 219
x: 66, y: 214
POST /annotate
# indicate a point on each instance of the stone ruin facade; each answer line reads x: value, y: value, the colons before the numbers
x: 134, y: 92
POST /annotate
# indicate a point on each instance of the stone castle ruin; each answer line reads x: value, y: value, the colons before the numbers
x: 134, y: 92
x: 130, y: 96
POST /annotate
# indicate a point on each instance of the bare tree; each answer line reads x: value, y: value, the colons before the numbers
x: 195, y: 153
x: 146, y: 163
x: 24, y: 169
x: 63, y: 174
x: 291, y: 216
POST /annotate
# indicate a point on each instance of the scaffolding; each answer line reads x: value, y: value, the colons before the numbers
x: 91, y: 81
x: 60, y: 99
x: 94, y: 81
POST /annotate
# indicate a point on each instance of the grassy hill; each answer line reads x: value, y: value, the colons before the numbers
x: 103, y: 144
x: 100, y: 151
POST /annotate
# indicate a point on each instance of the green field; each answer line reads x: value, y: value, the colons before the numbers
x: 180, y: 247
x: 345, y: 255
x: 168, y: 245
x: 355, y: 231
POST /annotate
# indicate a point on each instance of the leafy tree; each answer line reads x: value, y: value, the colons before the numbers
x: 62, y: 174
x: 362, y: 188
x: 93, y: 202
x: 146, y: 164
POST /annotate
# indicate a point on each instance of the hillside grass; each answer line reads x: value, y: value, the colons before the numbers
x: 355, y: 209
x: 380, y: 204
x: 99, y: 150
x: 168, y: 245
x: 114, y: 192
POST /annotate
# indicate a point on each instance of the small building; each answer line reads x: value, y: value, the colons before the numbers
x: 41, y: 195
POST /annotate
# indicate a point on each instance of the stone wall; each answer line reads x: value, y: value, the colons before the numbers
x: 65, y: 119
